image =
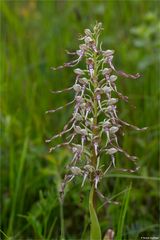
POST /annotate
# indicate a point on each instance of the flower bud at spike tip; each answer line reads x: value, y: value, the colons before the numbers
x: 88, y: 32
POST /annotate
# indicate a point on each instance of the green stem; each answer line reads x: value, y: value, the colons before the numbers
x: 94, y: 157
x: 62, y: 220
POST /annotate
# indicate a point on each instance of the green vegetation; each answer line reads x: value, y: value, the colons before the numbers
x: 34, y: 36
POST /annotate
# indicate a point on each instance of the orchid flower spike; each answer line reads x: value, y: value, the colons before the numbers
x: 94, y: 128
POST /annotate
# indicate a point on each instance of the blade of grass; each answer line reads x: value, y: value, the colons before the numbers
x: 133, y: 176
x: 17, y: 186
x: 123, y: 213
x: 51, y: 228
x: 11, y: 17
x: 86, y: 223
x: 3, y: 233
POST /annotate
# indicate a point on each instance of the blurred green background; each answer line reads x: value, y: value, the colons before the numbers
x: 34, y: 36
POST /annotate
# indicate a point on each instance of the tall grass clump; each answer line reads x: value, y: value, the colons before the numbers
x: 93, y: 131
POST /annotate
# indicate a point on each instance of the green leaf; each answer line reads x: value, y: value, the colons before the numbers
x: 95, y: 231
